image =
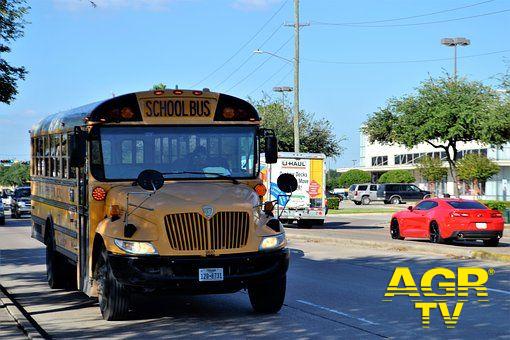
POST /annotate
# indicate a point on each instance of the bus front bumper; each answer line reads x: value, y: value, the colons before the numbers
x: 181, y: 273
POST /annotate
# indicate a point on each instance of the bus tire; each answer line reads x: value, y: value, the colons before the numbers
x: 112, y: 295
x: 2, y: 220
x: 268, y: 297
x: 56, y: 266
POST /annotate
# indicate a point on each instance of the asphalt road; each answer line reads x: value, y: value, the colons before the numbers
x: 333, y: 292
x: 376, y: 227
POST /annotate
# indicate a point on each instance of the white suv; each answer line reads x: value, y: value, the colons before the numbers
x: 363, y: 193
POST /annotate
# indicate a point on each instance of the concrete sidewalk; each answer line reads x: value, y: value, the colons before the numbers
x: 9, y: 328
x: 373, y: 231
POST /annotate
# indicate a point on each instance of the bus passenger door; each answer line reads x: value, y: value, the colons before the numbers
x: 83, y: 234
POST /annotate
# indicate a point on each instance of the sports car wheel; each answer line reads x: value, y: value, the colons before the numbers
x: 395, y: 230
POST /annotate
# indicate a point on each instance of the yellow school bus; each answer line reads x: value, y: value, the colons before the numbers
x: 158, y: 191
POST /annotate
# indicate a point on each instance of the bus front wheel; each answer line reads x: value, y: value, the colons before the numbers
x: 268, y: 296
x: 112, y: 295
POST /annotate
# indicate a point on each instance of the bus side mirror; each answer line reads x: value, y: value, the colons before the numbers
x: 287, y: 183
x: 271, y: 149
x: 77, y: 148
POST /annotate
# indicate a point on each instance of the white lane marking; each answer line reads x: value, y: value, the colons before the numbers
x: 331, y: 310
x: 499, y: 291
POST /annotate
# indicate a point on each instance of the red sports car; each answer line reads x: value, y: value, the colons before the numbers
x: 444, y: 220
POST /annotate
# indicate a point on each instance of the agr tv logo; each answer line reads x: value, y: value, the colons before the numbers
x: 447, y: 284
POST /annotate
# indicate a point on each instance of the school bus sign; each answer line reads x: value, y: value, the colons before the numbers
x: 436, y: 286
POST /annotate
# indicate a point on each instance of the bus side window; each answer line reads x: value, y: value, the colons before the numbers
x: 65, y: 157
x: 57, y: 157
x: 46, y: 148
x: 127, y: 152
x: 72, y: 171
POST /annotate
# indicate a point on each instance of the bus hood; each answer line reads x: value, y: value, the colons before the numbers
x: 183, y: 197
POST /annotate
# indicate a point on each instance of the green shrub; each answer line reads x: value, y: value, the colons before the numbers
x: 353, y: 176
x: 333, y: 203
x: 397, y: 176
x: 497, y: 205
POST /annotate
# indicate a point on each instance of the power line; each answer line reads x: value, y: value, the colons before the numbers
x: 284, y: 77
x: 399, y: 61
x: 261, y: 64
x: 249, y: 57
x: 269, y: 79
x: 242, y: 47
x: 410, y: 17
x: 411, y: 24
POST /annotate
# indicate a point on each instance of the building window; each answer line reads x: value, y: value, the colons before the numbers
x: 379, y: 160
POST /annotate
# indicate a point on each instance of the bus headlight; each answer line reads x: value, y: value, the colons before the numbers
x: 137, y: 248
x: 273, y: 242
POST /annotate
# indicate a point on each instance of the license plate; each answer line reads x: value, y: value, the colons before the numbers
x: 481, y: 225
x: 210, y: 274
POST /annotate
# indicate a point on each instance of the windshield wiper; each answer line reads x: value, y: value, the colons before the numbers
x: 222, y: 176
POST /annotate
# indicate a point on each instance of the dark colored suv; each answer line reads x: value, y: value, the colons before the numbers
x: 396, y: 193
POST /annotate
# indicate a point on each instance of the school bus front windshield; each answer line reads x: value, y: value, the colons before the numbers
x: 179, y: 152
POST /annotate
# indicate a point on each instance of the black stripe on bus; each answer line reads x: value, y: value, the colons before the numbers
x: 69, y: 254
x: 57, y: 227
x: 54, y: 203
x: 66, y: 231
x: 57, y: 181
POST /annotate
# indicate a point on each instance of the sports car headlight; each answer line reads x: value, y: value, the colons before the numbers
x: 273, y: 242
x: 134, y: 247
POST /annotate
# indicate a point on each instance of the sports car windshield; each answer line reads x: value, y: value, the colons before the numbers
x: 179, y: 152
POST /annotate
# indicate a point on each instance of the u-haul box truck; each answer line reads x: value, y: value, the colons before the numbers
x: 307, y: 205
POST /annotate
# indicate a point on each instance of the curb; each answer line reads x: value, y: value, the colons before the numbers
x: 403, y: 246
x: 18, y: 317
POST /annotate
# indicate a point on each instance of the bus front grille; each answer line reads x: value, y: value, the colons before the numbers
x: 192, y: 231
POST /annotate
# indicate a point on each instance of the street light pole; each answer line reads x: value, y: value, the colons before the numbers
x: 454, y: 42
x: 282, y: 89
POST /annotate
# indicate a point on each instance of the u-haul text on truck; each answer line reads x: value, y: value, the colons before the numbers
x: 307, y: 205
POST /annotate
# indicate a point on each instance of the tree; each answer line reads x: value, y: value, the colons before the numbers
x: 316, y: 135
x: 443, y: 113
x: 11, y: 28
x: 159, y: 86
x: 432, y: 170
x: 15, y: 175
x: 477, y: 169
x: 332, y: 179
x: 353, y: 176
x: 397, y: 176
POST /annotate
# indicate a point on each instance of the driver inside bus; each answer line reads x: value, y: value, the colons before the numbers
x: 198, y: 159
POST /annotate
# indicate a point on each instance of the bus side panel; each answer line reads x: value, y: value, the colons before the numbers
x: 52, y: 201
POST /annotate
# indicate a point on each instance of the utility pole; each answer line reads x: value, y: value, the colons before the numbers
x: 297, y: 26
x: 296, y: 75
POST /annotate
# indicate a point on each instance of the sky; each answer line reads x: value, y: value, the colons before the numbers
x: 76, y: 54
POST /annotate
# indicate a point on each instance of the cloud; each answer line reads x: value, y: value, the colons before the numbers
x: 253, y: 5
x: 152, y: 5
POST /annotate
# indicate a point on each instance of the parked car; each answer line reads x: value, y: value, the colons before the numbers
x: 21, y: 202
x: 7, y: 198
x: 2, y: 213
x: 443, y: 220
x: 363, y: 193
x: 396, y: 193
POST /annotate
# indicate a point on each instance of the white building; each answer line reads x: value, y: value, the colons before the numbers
x: 377, y: 159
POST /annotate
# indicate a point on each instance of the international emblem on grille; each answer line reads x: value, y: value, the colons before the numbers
x: 208, y: 211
